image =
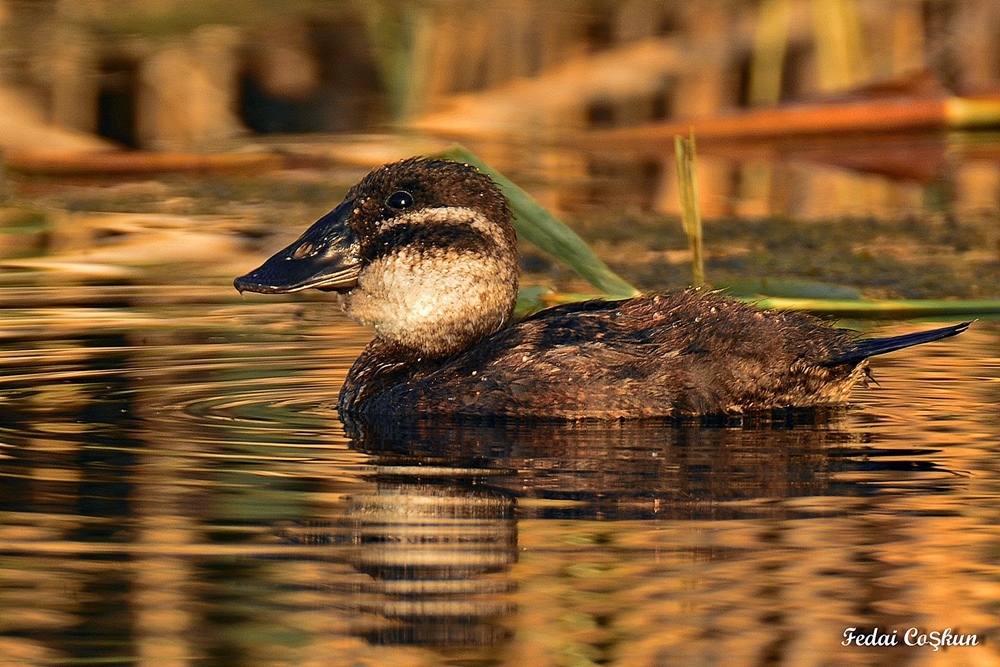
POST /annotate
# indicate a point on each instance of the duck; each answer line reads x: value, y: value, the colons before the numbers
x: 424, y: 252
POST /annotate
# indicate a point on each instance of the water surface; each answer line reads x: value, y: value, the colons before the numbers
x: 176, y: 488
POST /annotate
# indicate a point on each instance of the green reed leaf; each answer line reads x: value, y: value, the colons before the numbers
x: 536, y: 224
x: 860, y: 308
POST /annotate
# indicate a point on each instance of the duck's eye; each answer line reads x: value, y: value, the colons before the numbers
x: 303, y: 251
x: 399, y: 200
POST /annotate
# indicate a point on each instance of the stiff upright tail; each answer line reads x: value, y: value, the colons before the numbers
x: 869, y: 347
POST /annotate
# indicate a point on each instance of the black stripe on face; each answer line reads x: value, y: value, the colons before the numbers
x: 422, y: 237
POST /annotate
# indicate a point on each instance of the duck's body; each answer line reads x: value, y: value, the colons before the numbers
x: 424, y: 251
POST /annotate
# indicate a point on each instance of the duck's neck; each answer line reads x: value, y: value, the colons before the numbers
x: 383, y: 364
x: 437, y: 281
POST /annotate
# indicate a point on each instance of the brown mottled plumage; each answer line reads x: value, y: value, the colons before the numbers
x: 424, y: 251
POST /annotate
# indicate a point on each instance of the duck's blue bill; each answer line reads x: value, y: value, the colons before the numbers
x: 325, y: 257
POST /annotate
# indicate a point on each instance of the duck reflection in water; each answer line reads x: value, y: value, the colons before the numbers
x: 438, y: 552
x: 438, y: 534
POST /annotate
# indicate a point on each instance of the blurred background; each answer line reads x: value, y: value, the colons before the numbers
x: 890, y: 145
x: 163, y: 73
x: 519, y: 79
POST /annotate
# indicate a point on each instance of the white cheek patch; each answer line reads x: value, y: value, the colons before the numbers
x: 434, y: 299
x: 413, y: 290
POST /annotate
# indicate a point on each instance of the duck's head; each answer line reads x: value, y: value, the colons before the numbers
x: 422, y: 250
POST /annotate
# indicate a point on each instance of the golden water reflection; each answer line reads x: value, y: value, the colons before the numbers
x: 176, y: 488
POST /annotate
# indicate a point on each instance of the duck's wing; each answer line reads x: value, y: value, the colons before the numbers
x: 655, y: 356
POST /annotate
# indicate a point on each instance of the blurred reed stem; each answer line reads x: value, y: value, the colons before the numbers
x: 690, y: 214
x: 767, y: 64
x: 840, y: 48
x: 403, y: 36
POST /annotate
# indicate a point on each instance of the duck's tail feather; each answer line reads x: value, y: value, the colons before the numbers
x: 869, y: 347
